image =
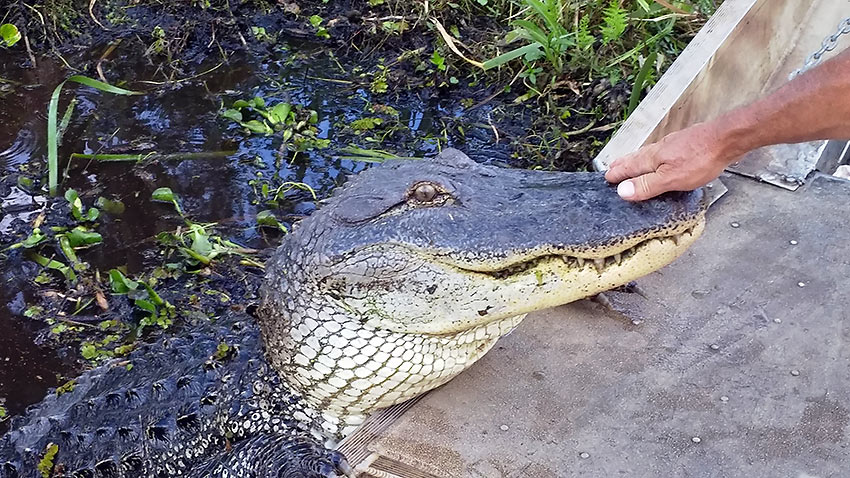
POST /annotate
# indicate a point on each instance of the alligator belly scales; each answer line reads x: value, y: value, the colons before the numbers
x: 400, y: 281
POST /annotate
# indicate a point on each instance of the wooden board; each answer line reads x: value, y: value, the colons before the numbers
x: 749, y: 47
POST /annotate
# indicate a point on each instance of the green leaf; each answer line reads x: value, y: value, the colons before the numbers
x: 35, y: 238
x: 120, y: 283
x: 81, y: 237
x: 280, y: 112
x: 506, y: 57
x: 267, y: 218
x: 111, y: 206
x: 534, y: 31
x: 67, y: 250
x: 242, y: 104
x: 88, y: 351
x: 259, y: 102
x: 53, y: 131
x: 549, y: 16
x: 257, y: 126
x: 53, y: 264
x: 93, y: 214
x: 616, y: 21
x: 145, y: 305
x: 154, y: 297
x: 316, y: 20
x: 640, y: 81
x: 163, y: 195
x: 233, y: 114
x: 201, y: 243
x: 9, y: 34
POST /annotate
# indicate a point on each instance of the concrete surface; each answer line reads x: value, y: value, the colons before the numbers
x: 737, y: 364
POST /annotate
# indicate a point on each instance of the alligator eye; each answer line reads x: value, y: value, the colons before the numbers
x: 425, y: 192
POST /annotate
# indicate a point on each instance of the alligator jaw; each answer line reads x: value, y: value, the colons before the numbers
x: 460, y: 298
x: 621, y: 254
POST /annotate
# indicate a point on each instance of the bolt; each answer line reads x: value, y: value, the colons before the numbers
x: 696, y: 439
x: 793, y: 242
x: 584, y: 455
x: 724, y: 398
x: 637, y: 322
x: 735, y: 224
x: 795, y: 372
x: 714, y: 347
x: 801, y: 284
x: 504, y: 428
x: 777, y: 320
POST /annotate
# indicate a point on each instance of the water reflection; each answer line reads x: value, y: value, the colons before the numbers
x: 184, y: 117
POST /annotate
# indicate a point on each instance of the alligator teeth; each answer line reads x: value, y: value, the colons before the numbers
x: 599, y: 263
x: 676, y: 238
x: 580, y: 261
x: 566, y: 259
x: 618, y: 258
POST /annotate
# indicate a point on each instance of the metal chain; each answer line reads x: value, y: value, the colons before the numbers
x: 829, y: 44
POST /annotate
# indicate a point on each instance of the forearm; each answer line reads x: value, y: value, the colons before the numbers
x: 815, y: 105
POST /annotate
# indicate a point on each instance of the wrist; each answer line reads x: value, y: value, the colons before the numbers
x: 733, y: 135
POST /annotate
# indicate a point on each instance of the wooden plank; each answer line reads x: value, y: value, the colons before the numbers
x: 746, y: 48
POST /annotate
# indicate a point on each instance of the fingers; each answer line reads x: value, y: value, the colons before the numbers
x: 632, y: 165
x: 643, y: 187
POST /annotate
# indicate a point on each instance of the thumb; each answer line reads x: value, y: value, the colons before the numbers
x: 642, y: 187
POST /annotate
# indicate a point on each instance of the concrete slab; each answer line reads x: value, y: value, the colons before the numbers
x: 735, y: 364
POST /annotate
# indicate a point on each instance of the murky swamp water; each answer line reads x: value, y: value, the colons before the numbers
x: 185, y: 117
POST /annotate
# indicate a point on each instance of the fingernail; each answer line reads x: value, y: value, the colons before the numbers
x: 626, y: 189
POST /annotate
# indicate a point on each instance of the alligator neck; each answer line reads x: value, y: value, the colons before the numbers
x: 345, y: 369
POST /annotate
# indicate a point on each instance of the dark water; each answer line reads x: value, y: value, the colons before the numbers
x: 184, y: 117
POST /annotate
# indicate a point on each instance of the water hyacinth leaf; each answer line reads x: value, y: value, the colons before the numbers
x: 166, y: 195
x: 201, y: 244
x: 111, y: 206
x: 257, y: 126
x: 233, y: 114
x: 67, y: 250
x: 81, y: 237
x: 34, y: 239
x: 76, y: 205
x: 259, y: 102
x: 120, y: 283
x: 53, y: 130
x: 267, y: 218
x: 163, y: 195
x: 53, y: 264
x: 9, y: 34
x: 241, y: 104
x: 280, y: 112
x: 25, y: 183
x: 154, y: 297
x: 145, y: 305
x: 92, y: 214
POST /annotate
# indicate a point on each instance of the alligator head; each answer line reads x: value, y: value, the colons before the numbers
x: 414, y: 269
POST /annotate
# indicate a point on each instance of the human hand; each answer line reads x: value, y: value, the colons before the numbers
x: 681, y: 161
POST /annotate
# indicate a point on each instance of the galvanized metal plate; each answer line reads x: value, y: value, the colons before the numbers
x: 783, y: 165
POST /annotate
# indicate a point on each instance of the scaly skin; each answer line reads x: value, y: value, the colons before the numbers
x: 403, y: 279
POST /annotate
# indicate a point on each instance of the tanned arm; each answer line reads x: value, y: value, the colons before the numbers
x: 813, y: 106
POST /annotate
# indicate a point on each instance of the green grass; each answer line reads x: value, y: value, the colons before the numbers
x: 54, y: 132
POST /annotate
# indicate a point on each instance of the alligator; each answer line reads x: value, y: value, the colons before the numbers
x: 403, y: 278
